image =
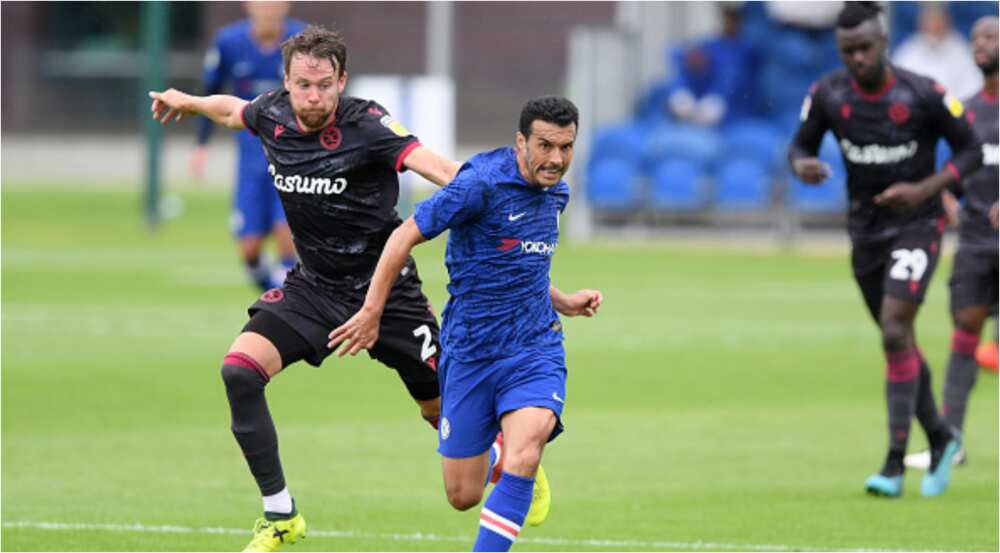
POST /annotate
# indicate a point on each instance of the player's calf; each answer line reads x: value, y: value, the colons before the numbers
x: 245, y: 380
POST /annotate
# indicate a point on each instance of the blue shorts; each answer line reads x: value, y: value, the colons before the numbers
x: 256, y: 205
x: 475, y: 395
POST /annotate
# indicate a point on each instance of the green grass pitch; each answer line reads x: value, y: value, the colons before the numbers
x: 722, y: 399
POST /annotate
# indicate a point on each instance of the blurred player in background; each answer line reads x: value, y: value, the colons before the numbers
x: 887, y: 122
x: 503, y: 365
x: 973, y: 284
x: 334, y: 160
x: 246, y: 57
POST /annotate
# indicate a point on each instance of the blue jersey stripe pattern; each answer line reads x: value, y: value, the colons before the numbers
x: 504, y: 232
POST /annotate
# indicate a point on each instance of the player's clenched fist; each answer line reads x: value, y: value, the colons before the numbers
x: 811, y: 170
x: 171, y: 104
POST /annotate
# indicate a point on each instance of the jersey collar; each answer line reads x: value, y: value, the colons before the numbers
x: 873, y: 96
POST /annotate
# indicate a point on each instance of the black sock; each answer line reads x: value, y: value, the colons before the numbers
x: 934, y: 426
x: 961, y: 377
x: 901, y: 386
x: 251, y: 421
x: 893, y: 463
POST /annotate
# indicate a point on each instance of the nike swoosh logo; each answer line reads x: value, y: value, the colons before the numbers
x: 511, y: 217
x: 555, y: 396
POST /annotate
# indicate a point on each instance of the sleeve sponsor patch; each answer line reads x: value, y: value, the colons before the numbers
x: 394, y: 126
x: 953, y: 104
x: 806, y: 106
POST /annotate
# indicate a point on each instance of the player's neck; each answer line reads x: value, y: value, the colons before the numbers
x: 878, y: 84
x: 990, y: 86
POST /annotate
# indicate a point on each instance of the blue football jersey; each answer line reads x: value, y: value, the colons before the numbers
x: 236, y: 64
x: 504, y: 232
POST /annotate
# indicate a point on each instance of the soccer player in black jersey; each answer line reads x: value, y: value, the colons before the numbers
x: 334, y: 160
x: 973, y: 283
x: 887, y: 122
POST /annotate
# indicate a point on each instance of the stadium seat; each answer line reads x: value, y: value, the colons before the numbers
x: 755, y: 139
x: 624, y: 141
x: 742, y: 184
x: 613, y: 184
x: 669, y: 141
x: 677, y: 185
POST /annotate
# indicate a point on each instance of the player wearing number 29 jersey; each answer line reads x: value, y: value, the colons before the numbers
x: 887, y: 122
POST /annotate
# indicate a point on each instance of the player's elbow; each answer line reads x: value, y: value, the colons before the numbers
x: 407, y: 234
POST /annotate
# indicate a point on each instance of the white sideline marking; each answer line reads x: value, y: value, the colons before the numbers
x: 633, y: 545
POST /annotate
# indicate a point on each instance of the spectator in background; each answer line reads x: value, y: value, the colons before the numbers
x: 815, y: 16
x: 714, y: 80
x: 940, y: 53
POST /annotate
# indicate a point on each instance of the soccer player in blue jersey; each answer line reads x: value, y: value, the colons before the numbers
x: 246, y: 57
x: 502, y: 364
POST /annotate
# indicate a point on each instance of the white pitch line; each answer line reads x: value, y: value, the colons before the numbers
x: 633, y: 545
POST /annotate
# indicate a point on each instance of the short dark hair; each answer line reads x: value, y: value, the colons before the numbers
x: 856, y: 13
x: 319, y: 42
x: 551, y: 109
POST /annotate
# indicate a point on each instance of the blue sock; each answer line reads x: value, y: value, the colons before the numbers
x: 503, y: 514
x: 494, y: 457
x: 260, y: 274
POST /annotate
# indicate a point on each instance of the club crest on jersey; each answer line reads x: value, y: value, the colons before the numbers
x: 393, y: 125
x: 274, y: 295
x: 899, y: 113
x: 330, y: 138
x: 278, y: 131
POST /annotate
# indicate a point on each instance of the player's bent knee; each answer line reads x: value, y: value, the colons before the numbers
x: 242, y: 375
x: 463, y: 496
x: 523, y: 461
x: 895, y: 334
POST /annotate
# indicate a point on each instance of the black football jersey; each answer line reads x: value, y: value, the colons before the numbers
x: 339, y: 185
x: 980, y: 188
x: 886, y: 137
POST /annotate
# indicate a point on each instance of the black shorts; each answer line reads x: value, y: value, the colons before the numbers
x: 408, y: 332
x: 973, y: 278
x: 900, y: 267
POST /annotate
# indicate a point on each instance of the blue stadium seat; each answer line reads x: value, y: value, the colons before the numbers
x: 742, y: 184
x: 613, y: 184
x: 756, y: 139
x: 624, y: 141
x: 831, y: 196
x: 669, y: 141
x: 676, y: 185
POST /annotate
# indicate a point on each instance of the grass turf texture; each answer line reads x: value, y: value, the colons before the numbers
x: 722, y: 399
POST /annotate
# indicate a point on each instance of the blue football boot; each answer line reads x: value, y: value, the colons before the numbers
x: 935, y: 481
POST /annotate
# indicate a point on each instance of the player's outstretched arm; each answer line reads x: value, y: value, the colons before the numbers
x: 582, y: 302
x: 174, y: 105
x: 431, y: 166
x: 361, y: 331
